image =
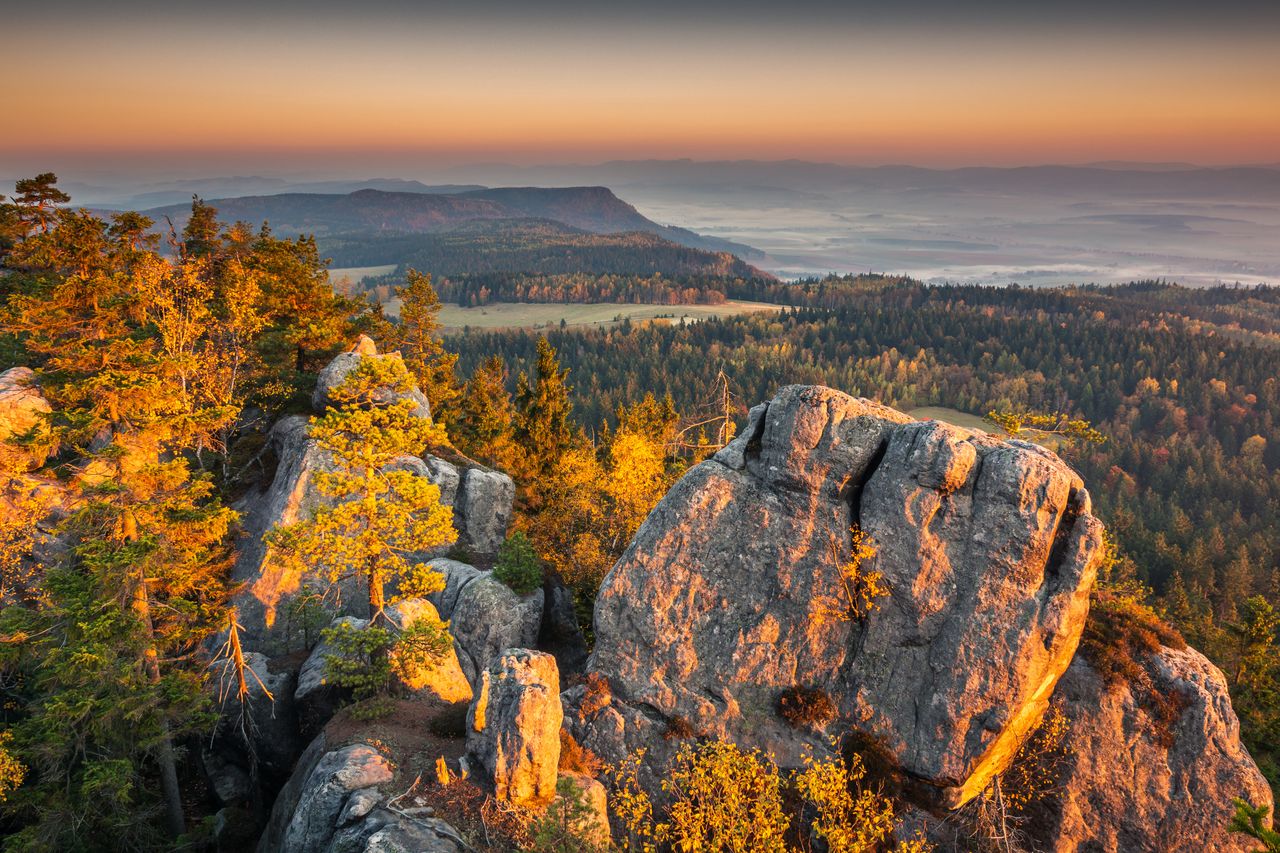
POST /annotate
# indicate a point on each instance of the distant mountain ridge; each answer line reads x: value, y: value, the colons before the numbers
x: 378, y: 212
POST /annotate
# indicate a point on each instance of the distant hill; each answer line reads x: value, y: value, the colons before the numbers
x: 371, y: 212
x: 534, y: 247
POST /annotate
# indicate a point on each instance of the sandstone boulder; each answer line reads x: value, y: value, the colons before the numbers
x: 305, y: 814
x: 22, y: 411
x: 332, y: 804
x: 336, y: 371
x: 731, y: 592
x: 483, y: 509
x: 485, y: 616
x: 317, y: 698
x: 513, y: 727
x: 1145, y: 779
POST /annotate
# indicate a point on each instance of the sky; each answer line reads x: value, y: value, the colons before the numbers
x: 242, y: 85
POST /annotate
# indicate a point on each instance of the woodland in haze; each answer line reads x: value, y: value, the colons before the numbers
x: 166, y: 358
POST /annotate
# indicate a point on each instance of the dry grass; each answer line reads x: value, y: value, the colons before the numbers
x: 806, y: 707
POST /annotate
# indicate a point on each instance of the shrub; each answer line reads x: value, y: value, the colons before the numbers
x: 725, y: 798
x: 847, y: 816
x: 576, y: 758
x: 597, y: 696
x: 806, y: 707
x: 1122, y: 631
x: 1036, y: 766
x: 678, y: 728
x: 518, y: 566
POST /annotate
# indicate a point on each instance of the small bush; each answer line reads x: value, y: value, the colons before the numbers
x: 1120, y: 634
x: 518, y: 566
x: 576, y: 758
x: 597, y: 695
x: 358, y: 659
x: 678, y: 728
x: 805, y: 707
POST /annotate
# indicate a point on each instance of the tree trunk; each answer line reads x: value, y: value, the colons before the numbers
x: 174, y: 818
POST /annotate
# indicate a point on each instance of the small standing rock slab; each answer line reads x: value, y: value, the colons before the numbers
x: 513, y: 727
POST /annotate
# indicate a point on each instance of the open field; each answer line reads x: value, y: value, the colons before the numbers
x: 954, y: 417
x: 355, y: 275
x: 511, y: 315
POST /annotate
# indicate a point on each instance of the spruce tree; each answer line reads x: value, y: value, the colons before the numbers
x: 485, y: 422
x: 418, y: 339
x: 543, y: 426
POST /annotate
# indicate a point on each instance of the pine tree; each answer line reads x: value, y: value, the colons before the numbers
x: 418, y: 339
x: 380, y: 515
x: 111, y: 671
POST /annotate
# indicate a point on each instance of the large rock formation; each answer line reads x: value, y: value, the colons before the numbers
x: 343, y: 363
x: 485, y: 616
x: 1144, y: 779
x: 513, y: 727
x: 731, y: 592
x: 481, y: 499
x: 22, y: 411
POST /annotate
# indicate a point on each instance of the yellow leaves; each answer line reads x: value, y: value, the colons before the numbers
x: 850, y: 818
x: 12, y: 771
x: 1038, y: 763
x: 858, y: 587
x: 724, y: 798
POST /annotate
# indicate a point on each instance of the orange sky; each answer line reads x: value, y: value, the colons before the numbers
x: 462, y: 91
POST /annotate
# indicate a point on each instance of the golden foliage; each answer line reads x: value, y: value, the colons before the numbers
x: 1037, y: 766
x: 725, y: 798
x: 858, y: 588
x: 850, y: 818
x: 12, y: 771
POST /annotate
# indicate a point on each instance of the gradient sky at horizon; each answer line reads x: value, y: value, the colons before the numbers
x: 931, y: 82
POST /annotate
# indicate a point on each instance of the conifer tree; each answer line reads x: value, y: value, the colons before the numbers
x: 543, y: 428
x: 485, y: 423
x: 110, y: 671
x: 380, y: 514
x: 418, y: 339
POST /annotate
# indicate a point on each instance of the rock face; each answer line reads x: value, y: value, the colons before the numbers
x: 483, y: 508
x: 481, y: 499
x: 1137, y: 783
x: 332, y: 804
x: 731, y: 591
x: 513, y: 727
x: 336, y: 371
x: 261, y: 738
x: 485, y: 615
x: 22, y: 408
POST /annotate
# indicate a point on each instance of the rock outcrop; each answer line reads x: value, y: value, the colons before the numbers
x: 731, y: 592
x: 485, y: 616
x: 343, y: 363
x: 513, y: 727
x: 332, y: 804
x: 481, y: 498
x: 22, y: 411
x: 317, y: 698
x: 1142, y: 780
